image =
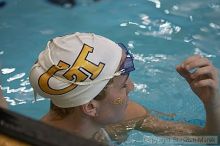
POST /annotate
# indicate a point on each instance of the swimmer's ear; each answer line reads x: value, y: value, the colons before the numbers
x: 90, y: 108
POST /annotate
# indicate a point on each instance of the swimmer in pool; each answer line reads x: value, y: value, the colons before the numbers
x: 86, y: 76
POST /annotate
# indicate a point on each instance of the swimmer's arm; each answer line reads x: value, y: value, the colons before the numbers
x: 139, y: 118
x: 204, y: 82
x: 133, y: 115
x: 155, y: 125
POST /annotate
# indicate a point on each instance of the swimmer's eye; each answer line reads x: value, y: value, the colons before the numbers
x: 125, y: 86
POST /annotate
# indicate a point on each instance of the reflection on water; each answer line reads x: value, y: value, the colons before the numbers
x: 47, y: 32
x: 161, y: 28
x: 200, y: 52
x: 7, y: 70
x: 15, y: 77
x: 17, y: 87
x: 150, y: 58
x: 157, y: 3
x: 141, y: 88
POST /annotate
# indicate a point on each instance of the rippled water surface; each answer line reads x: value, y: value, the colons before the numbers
x: 160, y: 34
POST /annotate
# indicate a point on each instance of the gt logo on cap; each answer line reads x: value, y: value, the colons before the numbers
x: 75, y: 72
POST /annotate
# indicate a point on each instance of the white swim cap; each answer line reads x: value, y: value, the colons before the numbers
x: 73, y: 69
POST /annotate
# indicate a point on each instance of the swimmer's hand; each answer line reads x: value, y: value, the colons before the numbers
x: 203, y: 80
x: 205, y: 84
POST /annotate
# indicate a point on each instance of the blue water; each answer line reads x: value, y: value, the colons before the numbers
x: 160, y: 33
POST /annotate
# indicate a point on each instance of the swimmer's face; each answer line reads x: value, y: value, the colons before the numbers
x: 112, y: 108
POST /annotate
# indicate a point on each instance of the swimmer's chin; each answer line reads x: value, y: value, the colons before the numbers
x: 126, y: 105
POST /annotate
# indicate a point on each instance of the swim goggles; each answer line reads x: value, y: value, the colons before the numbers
x: 125, y: 69
x: 128, y: 65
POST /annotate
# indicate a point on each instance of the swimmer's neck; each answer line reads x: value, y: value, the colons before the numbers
x: 75, y: 123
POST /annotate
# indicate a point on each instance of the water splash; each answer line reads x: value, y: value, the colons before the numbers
x: 131, y: 44
x: 184, y: 9
x: 200, y: 52
x: 162, y: 29
x: 20, y: 89
x: 189, y: 6
x: 187, y: 40
x: 7, y: 70
x: 47, y: 32
x: 132, y: 23
x: 214, y: 6
x: 166, y: 11
x: 152, y: 71
x: 25, y: 83
x: 15, y: 77
x: 165, y: 28
x: 214, y: 26
x: 204, y: 29
x: 191, y: 18
x: 123, y: 24
x: 177, y: 29
x: 38, y: 99
x: 145, y: 19
x: 141, y: 87
x: 175, y: 8
x: 198, y: 37
x: 10, y: 101
x: 137, y: 33
x: 157, y: 3
x: 14, y: 101
x: 150, y: 58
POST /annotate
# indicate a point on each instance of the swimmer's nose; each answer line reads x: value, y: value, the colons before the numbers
x: 130, y: 84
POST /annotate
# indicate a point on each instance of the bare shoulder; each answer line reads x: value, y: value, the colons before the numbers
x: 50, y: 117
x: 3, y: 102
x: 134, y: 110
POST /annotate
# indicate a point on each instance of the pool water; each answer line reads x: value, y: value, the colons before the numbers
x: 160, y: 34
